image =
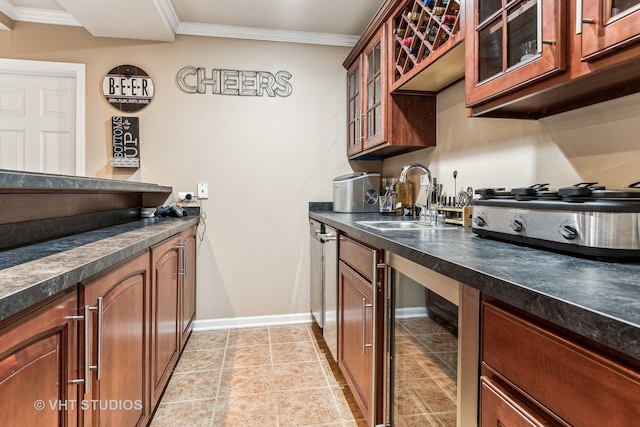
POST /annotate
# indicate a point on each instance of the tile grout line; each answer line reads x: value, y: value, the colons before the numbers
x: 273, y: 379
x: 219, y: 382
x: 316, y: 348
x: 295, y: 337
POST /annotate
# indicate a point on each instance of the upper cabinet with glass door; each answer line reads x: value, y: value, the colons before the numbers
x: 366, y: 97
x: 354, y: 110
x: 607, y: 25
x: 380, y: 123
x: 375, y: 91
x: 535, y: 58
x: 515, y: 43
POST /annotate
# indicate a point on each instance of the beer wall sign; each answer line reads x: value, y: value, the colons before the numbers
x: 128, y: 88
x: 198, y: 80
x: 125, y: 142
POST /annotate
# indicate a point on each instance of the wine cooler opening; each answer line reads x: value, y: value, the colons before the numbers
x: 425, y: 334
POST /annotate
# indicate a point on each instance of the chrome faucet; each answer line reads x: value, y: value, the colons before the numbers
x: 403, y: 178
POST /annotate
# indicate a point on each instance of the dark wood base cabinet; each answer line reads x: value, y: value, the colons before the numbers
x: 100, y: 354
x: 118, y: 346
x: 355, y: 354
x: 188, y: 285
x: 38, y: 358
x: 536, y: 375
x: 172, y: 305
x: 360, y: 292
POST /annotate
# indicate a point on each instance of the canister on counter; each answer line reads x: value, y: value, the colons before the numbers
x: 404, y: 198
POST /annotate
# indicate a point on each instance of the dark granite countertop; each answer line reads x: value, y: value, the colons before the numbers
x: 32, y: 273
x: 25, y: 181
x: 596, y: 299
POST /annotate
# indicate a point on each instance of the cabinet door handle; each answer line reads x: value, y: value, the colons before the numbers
x: 87, y: 352
x: 539, y: 29
x: 185, y: 257
x: 88, y: 367
x: 364, y: 325
x: 578, y: 16
x: 182, y: 247
x: 579, y: 19
x: 86, y: 347
x: 100, y: 312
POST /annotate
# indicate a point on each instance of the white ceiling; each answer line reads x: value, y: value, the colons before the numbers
x: 328, y: 22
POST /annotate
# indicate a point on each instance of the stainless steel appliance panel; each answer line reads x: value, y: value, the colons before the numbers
x: 356, y: 192
x: 323, y: 279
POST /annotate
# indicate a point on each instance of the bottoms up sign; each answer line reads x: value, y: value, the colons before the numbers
x: 125, y: 141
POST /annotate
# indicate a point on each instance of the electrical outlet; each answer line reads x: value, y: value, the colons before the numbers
x: 203, y: 190
x: 186, y: 196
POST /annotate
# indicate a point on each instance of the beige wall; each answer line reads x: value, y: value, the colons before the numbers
x: 597, y: 143
x: 266, y: 158
x: 263, y: 158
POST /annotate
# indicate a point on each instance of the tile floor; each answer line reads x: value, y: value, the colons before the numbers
x: 426, y: 359
x: 280, y: 376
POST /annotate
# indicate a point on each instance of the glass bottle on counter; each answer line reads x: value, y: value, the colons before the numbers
x: 404, y: 198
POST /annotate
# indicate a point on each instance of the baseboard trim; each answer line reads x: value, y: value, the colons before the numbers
x: 251, y: 322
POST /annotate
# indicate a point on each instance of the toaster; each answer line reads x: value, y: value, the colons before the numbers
x: 356, y: 192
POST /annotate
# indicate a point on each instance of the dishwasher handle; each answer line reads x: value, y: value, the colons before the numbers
x: 327, y: 237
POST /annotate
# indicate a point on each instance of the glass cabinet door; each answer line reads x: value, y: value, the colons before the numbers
x: 354, y: 110
x: 516, y: 43
x: 376, y: 92
x: 605, y: 25
x: 374, y: 82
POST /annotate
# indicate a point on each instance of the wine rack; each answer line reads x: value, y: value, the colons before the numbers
x: 420, y: 28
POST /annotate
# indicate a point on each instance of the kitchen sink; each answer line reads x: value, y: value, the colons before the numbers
x: 390, y: 225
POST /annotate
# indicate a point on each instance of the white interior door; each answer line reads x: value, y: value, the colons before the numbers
x: 39, y: 117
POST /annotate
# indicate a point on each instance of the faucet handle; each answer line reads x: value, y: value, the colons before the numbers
x: 423, y: 211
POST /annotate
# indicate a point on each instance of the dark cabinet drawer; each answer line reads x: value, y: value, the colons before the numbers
x: 360, y: 257
x: 501, y: 408
x: 580, y: 386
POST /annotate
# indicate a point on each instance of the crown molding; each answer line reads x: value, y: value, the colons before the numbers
x: 41, y: 16
x: 168, y: 14
x: 251, y: 33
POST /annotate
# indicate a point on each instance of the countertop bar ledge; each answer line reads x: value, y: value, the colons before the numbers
x: 31, y: 274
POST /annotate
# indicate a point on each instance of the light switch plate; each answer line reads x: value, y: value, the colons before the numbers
x: 203, y: 190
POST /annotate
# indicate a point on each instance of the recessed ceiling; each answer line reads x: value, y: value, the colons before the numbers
x: 328, y: 22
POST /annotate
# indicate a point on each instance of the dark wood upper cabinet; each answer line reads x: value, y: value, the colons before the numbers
x: 354, y: 110
x: 426, y: 49
x: 606, y: 26
x: 514, y: 44
x: 382, y: 123
x: 367, y: 97
x: 532, y: 58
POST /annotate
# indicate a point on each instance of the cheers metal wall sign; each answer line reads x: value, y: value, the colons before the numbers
x: 198, y: 80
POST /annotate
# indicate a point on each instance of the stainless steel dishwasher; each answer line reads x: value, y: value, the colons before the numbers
x: 324, y: 281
